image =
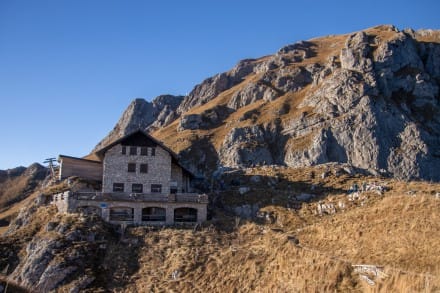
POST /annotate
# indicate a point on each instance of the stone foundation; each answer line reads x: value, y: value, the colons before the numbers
x: 69, y: 202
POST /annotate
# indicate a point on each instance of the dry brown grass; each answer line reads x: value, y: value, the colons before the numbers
x: 394, y: 230
x: 398, y: 230
x: 252, y: 259
x: 12, y: 210
x: 402, y: 235
x: 13, y: 190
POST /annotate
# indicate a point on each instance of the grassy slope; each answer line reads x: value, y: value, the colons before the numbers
x: 398, y: 230
x: 15, y: 193
x: 395, y: 230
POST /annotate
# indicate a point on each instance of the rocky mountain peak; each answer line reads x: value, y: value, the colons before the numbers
x: 369, y: 99
x: 141, y: 114
x: 34, y: 171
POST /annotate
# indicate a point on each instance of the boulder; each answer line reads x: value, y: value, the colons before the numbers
x: 245, y: 147
x: 246, y: 211
x: 243, y: 190
x: 191, y: 122
x: 355, y: 54
x: 250, y: 94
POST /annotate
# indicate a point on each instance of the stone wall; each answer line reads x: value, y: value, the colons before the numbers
x: 186, y: 183
x: 116, y: 169
x: 176, y: 176
x: 61, y: 200
x: 67, y: 203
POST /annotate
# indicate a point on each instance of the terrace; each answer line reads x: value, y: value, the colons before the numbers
x: 140, y: 197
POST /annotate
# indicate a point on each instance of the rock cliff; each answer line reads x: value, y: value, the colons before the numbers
x: 141, y: 114
x: 369, y: 99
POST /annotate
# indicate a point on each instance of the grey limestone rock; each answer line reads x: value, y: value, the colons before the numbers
x: 54, y: 258
x: 252, y: 146
x: 245, y: 146
x: 250, y: 94
x: 297, y: 52
x: 192, y: 122
x: 246, y: 211
x: 395, y: 63
x: 39, y: 255
x: 141, y: 114
x: 373, y: 105
x: 355, y: 122
x: 204, y: 92
x: 213, y: 86
x: 355, y: 54
x: 432, y: 63
x: 292, y: 80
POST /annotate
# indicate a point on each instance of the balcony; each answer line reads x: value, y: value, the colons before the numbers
x: 141, y: 197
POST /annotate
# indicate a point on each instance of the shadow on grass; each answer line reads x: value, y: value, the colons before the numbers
x: 238, y: 194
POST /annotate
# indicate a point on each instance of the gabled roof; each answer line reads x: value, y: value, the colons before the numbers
x: 101, y: 152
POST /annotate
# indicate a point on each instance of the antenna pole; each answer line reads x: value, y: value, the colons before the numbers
x: 51, y: 165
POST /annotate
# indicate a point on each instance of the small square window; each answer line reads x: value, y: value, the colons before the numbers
x: 131, y: 167
x: 136, y: 188
x: 133, y: 150
x: 144, y: 168
x: 118, y: 187
x: 153, y: 151
x: 156, y: 188
x: 124, y: 150
x: 144, y: 151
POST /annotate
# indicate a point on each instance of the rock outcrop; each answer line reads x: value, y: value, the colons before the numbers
x: 369, y: 99
x: 374, y: 111
x: 64, y: 252
x: 144, y: 115
x: 213, y: 86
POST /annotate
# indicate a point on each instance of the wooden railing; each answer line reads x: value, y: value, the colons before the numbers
x: 154, y: 197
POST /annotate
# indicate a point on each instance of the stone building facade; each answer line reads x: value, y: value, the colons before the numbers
x: 142, y: 183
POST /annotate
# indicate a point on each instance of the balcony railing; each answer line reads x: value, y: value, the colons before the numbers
x: 141, y: 197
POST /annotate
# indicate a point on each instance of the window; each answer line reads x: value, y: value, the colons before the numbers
x: 153, y: 214
x: 118, y: 187
x: 121, y: 214
x: 124, y: 150
x: 153, y: 151
x: 185, y: 215
x: 136, y: 188
x: 133, y: 150
x: 144, y: 168
x: 173, y: 187
x: 156, y: 188
x: 144, y: 151
x: 131, y: 167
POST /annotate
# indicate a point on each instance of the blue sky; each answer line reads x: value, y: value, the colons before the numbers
x: 68, y: 69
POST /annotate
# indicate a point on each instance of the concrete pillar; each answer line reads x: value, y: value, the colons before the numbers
x: 137, y: 217
x: 106, y: 214
x: 69, y: 202
x: 201, y: 213
x: 169, y: 220
x: 171, y: 197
